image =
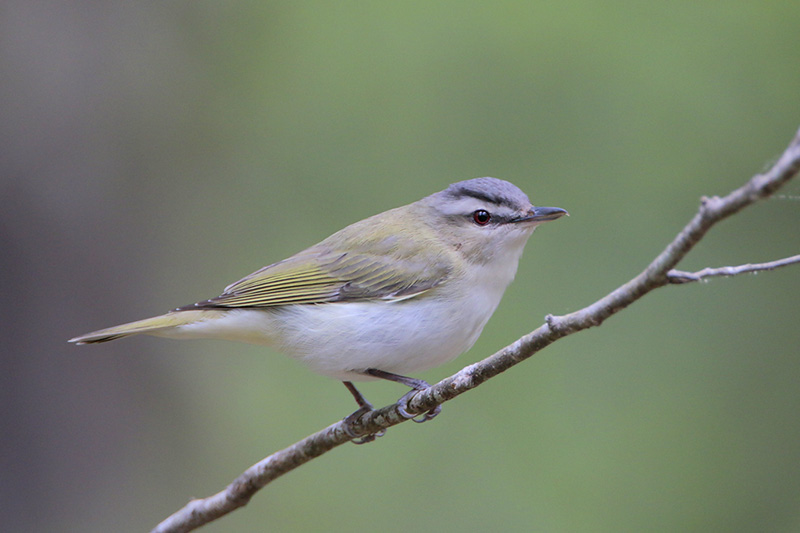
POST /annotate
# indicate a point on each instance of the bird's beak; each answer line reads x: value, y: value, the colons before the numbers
x: 542, y: 214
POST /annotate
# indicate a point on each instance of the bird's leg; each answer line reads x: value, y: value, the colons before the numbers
x: 363, y: 407
x: 415, y: 384
x: 359, y: 398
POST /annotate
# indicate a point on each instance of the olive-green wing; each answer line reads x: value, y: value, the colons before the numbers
x: 320, y: 276
x: 381, y: 257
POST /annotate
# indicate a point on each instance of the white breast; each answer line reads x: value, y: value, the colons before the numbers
x: 342, y: 340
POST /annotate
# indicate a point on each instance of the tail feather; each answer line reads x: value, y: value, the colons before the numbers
x: 148, y: 325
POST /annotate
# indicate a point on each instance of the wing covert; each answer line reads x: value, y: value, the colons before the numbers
x: 328, y: 278
x: 357, y: 263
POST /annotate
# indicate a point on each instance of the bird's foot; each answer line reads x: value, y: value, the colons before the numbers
x: 353, y: 419
x: 402, y: 408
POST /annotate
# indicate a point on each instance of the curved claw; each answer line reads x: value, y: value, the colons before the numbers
x: 419, y: 419
x: 430, y: 415
x: 368, y: 438
x: 353, y: 418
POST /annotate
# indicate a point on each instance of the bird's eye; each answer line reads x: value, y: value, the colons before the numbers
x: 481, y: 217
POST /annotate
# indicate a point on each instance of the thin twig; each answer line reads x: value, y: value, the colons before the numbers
x: 680, y: 276
x: 657, y: 274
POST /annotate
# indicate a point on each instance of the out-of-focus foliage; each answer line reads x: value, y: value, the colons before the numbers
x: 153, y: 152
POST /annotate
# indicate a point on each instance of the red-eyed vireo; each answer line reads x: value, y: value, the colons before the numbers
x: 394, y: 294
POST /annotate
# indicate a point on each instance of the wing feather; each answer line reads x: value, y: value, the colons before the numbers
x: 370, y: 269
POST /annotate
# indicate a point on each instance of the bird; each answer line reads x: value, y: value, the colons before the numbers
x: 394, y: 294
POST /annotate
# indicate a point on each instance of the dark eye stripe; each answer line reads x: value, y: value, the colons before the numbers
x: 483, y: 196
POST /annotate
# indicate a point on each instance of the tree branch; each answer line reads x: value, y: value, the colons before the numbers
x: 679, y: 276
x: 657, y: 274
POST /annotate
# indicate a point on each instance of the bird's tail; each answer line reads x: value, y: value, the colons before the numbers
x: 154, y: 325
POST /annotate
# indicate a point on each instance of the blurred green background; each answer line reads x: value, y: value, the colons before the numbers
x: 154, y: 152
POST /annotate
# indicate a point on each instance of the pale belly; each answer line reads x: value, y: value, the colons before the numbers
x: 342, y: 340
x: 399, y: 337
